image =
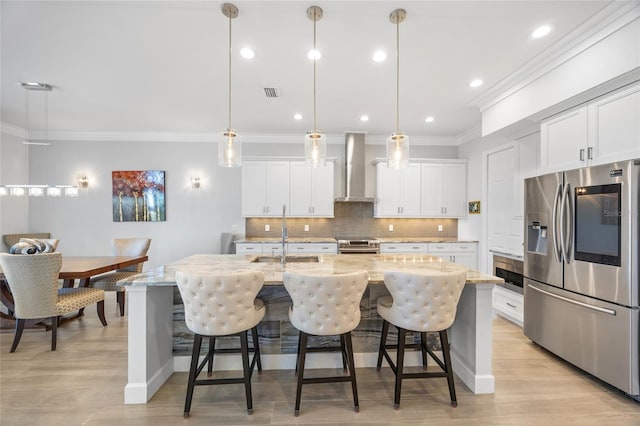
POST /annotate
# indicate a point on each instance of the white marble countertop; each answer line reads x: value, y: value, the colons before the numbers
x: 278, y: 239
x: 375, y: 264
x: 422, y: 240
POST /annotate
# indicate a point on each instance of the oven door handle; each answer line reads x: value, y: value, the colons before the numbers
x: 554, y: 224
x: 574, y: 302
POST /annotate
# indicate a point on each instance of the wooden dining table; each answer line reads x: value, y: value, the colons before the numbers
x: 76, y: 271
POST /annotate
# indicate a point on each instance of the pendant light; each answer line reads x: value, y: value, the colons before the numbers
x: 229, y: 145
x: 315, y: 142
x: 43, y: 189
x: 398, y: 142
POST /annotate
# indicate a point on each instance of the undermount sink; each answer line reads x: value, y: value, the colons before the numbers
x: 287, y: 259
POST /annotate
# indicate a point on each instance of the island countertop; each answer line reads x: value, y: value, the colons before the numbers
x: 375, y: 264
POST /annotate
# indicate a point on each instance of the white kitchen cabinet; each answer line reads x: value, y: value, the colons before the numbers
x: 606, y: 129
x: 614, y: 125
x: 462, y: 253
x: 265, y: 188
x: 443, y: 190
x: 509, y: 304
x: 248, y: 248
x: 312, y: 248
x: 397, y: 191
x: 404, y: 248
x: 311, y: 190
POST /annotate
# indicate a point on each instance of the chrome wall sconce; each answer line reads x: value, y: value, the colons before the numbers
x: 83, y: 182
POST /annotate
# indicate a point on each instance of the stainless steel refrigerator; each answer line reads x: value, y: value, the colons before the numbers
x: 581, y: 269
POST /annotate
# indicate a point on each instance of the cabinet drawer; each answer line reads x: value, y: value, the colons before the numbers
x: 272, y: 248
x: 404, y: 248
x: 248, y: 248
x: 319, y: 248
x: 452, y: 247
x: 509, y: 304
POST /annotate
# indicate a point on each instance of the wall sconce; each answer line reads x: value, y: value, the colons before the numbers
x: 195, y: 182
x: 83, y: 182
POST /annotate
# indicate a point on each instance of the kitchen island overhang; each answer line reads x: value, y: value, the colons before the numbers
x: 151, y: 358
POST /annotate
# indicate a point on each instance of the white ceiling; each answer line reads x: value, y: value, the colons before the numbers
x: 162, y: 66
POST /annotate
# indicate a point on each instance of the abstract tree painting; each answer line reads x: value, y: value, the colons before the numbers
x: 138, y: 196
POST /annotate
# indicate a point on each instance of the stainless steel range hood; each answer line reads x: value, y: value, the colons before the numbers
x: 354, y: 178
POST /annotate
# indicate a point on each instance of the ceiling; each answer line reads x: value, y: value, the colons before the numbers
x: 162, y: 67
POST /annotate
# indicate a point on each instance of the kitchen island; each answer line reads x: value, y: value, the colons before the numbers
x: 152, y: 356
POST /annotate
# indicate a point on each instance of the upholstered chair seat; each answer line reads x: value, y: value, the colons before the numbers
x: 421, y: 301
x: 33, y: 282
x: 109, y: 280
x: 216, y: 305
x: 325, y: 304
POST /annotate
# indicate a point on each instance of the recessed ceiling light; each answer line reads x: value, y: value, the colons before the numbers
x: 541, y: 31
x: 314, y: 55
x: 297, y: 117
x: 429, y: 119
x: 364, y: 118
x: 476, y: 83
x: 247, y: 53
x: 379, y: 56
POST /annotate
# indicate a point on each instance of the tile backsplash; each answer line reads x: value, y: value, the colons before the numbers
x: 353, y: 220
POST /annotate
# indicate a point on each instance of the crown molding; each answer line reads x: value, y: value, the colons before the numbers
x: 607, y: 21
x: 469, y: 135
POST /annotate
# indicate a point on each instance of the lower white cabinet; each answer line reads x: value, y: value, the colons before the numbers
x: 463, y: 253
x: 391, y: 248
x: 508, y: 304
x: 312, y: 248
x: 248, y: 248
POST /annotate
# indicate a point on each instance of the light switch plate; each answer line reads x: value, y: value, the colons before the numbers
x: 267, y: 228
x: 439, y: 228
x: 390, y: 228
x: 306, y: 228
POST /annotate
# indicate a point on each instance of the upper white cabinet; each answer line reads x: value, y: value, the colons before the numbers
x: 397, y: 191
x: 443, y: 190
x: 603, y: 130
x: 614, y: 125
x: 311, y: 190
x: 265, y: 187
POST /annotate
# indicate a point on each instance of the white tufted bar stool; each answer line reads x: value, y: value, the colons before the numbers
x: 326, y: 305
x: 222, y: 304
x: 420, y: 301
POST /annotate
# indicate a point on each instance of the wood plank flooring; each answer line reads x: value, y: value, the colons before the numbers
x: 82, y: 384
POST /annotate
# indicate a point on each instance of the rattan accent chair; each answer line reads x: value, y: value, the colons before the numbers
x: 33, y: 282
x: 326, y: 304
x: 223, y: 304
x: 122, y: 247
x: 420, y: 302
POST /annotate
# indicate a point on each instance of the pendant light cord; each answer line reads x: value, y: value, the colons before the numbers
x: 229, y: 73
x: 398, y: 76
x: 315, y: 53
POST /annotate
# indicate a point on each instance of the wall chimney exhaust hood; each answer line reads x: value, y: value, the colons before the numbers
x: 354, y: 178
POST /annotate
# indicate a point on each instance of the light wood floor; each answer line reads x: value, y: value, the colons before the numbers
x: 82, y: 384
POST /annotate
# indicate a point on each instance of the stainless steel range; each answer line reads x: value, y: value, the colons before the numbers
x: 358, y: 245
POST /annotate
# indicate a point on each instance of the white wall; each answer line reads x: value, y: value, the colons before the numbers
x: 13, y: 210
x: 195, y: 219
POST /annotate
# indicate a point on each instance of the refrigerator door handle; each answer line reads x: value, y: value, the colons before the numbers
x: 574, y: 302
x: 562, y: 225
x: 566, y: 197
x: 554, y: 225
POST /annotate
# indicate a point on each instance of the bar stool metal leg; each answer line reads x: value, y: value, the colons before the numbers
x: 195, y: 354
x: 352, y: 370
x: 444, y: 341
x: 423, y: 348
x: 344, y: 353
x: 210, y: 354
x: 402, y: 333
x: 244, y: 345
x: 256, y: 348
x: 383, y: 342
x: 302, y: 349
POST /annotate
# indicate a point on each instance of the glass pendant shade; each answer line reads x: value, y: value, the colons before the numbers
x: 398, y: 151
x: 315, y: 149
x: 229, y: 149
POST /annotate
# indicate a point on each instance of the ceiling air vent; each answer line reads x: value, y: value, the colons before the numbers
x: 272, y: 92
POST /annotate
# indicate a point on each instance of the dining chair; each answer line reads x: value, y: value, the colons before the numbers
x: 33, y: 282
x: 122, y: 247
x: 221, y: 304
x: 325, y: 304
x: 420, y: 302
